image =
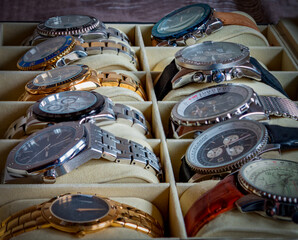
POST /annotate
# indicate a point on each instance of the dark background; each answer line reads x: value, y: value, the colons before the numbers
x: 263, y: 11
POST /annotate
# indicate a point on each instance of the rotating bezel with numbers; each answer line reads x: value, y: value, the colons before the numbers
x: 213, y: 104
x: 226, y: 146
x: 68, y: 25
x: 68, y: 106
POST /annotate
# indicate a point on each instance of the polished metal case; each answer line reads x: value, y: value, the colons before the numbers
x: 213, y: 71
x: 90, y: 142
x: 249, y: 108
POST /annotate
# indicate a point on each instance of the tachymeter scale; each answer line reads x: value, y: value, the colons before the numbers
x: 79, y: 208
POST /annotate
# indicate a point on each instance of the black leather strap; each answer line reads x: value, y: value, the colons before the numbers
x: 287, y: 137
x: 185, y: 172
x: 267, y: 77
x: 164, y: 84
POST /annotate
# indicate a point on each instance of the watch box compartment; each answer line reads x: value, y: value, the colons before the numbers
x: 165, y: 196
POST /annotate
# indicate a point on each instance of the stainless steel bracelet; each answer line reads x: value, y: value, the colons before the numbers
x: 132, y: 117
x: 282, y: 107
x: 114, y: 32
x: 124, y: 151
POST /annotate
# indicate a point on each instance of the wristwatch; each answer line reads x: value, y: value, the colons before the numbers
x: 80, y: 26
x: 63, y: 147
x: 225, y: 147
x: 186, y: 25
x: 75, y: 78
x: 62, y: 50
x: 211, y: 105
x: 81, y: 106
x: 268, y: 187
x: 212, y: 62
x: 80, y: 214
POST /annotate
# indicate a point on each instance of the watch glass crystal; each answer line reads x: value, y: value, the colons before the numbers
x: 57, y: 75
x: 207, y: 52
x: 181, y: 20
x: 212, y: 102
x: 225, y: 144
x: 79, y: 208
x: 69, y: 21
x: 268, y: 177
x: 44, y: 146
x: 67, y: 102
x: 44, y: 49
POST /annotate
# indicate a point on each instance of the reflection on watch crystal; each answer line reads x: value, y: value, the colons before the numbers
x: 69, y: 21
x: 67, y: 102
x: 276, y: 177
x: 57, y: 75
x: 44, y: 146
x: 44, y: 49
x: 181, y: 20
x: 79, y: 208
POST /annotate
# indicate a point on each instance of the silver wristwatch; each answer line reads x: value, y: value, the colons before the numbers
x: 213, y: 62
x: 63, y: 147
x: 80, y: 26
x: 81, y: 106
x: 211, y: 105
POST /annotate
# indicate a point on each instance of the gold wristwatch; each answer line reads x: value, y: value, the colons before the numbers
x: 76, y: 78
x: 79, y: 214
x: 62, y: 50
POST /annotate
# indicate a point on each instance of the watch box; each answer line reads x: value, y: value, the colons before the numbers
x: 278, y: 57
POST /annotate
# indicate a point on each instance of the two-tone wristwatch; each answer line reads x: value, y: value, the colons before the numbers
x: 267, y: 187
x: 80, y: 26
x: 62, y: 50
x: 79, y: 214
x: 226, y: 146
x: 212, y: 62
x: 200, y: 110
x: 76, y: 78
x: 186, y: 25
x: 81, y: 106
x: 63, y: 147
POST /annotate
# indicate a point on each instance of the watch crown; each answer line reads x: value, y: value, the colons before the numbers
x: 190, y: 39
x: 50, y: 176
x: 218, y: 77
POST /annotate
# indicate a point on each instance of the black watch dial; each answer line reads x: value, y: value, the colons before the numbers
x: 80, y: 208
x: 44, y: 145
x: 226, y: 146
x: 212, y: 103
x: 277, y: 179
x: 211, y: 55
x: 68, y: 106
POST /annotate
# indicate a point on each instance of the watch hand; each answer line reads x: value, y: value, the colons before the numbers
x: 39, y: 152
x: 232, y: 142
x: 89, y: 209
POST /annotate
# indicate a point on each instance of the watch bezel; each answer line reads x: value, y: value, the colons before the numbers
x: 205, y: 92
x: 77, y: 227
x: 35, y: 89
x: 247, y: 185
x: 43, y: 30
x: 237, y: 162
x: 191, y: 28
x: 212, y: 65
x: 74, y: 116
x: 13, y: 167
x: 52, y: 57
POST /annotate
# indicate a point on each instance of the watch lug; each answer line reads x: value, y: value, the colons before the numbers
x: 71, y: 57
x: 246, y: 70
x: 213, y: 25
x: 250, y: 203
x: 271, y: 147
x: 184, y: 77
x: 180, y: 131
